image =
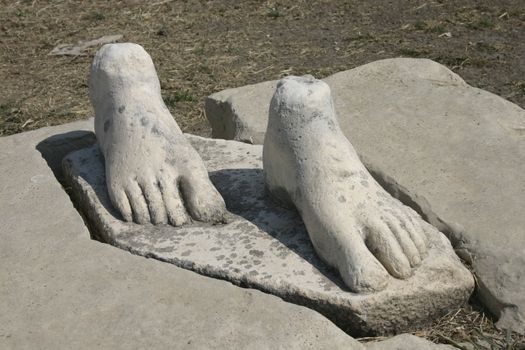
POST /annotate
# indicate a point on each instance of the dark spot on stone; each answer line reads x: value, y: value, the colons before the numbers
x: 121, y: 109
x: 364, y: 183
x: 236, y: 270
x: 144, y: 121
x: 220, y: 257
x: 233, y: 255
x: 381, y: 194
x: 186, y: 253
x: 257, y: 262
x: 341, y: 199
x: 165, y: 250
x: 256, y: 253
x: 155, y: 130
x: 253, y: 273
x: 379, y: 203
x: 248, y: 266
x: 214, y: 249
x: 107, y: 125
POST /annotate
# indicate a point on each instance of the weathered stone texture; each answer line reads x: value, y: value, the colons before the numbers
x: 60, y: 289
x: 266, y: 247
x: 453, y: 152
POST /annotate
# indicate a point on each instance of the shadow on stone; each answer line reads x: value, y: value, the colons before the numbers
x: 244, y: 192
x: 55, y: 148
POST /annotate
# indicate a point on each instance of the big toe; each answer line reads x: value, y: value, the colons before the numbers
x: 202, y: 200
x: 359, y: 268
x: 383, y: 244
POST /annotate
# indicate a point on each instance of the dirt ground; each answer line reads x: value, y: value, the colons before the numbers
x: 200, y: 47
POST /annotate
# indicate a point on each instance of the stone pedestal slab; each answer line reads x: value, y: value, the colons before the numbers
x: 267, y: 247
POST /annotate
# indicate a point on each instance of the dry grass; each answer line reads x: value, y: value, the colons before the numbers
x: 200, y: 47
x: 468, y: 328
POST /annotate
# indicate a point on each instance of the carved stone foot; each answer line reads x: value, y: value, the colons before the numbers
x: 353, y: 223
x: 153, y: 174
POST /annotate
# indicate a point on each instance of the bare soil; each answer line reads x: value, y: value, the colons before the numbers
x: 200, y: 47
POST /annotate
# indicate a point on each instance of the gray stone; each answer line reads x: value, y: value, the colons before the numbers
x: 266, y: 247
x: 406, y: 342
x: 60, y: 289
x: 240, y: 114
x: 455, y: 153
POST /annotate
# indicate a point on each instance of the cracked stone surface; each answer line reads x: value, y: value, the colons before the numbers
x: 453, y: 152
x: 266, y: 247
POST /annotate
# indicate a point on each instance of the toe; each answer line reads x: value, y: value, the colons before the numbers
x: 360, y: 269
x: 121, y: 202
x: 138, y: 203
x: 175, y: 211
x: 383, y: 244
x: 412, y: 222
x: 404, y: 240
x: 203, y: 201
x: 157, y: 210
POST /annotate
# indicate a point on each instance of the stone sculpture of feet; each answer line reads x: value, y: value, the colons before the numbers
x: 153, y: 174
x: 353, y: 223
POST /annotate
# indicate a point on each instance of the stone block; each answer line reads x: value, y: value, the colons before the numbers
x: 454, y: 153
x: 266, y: 247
